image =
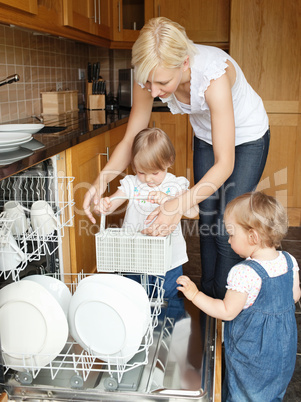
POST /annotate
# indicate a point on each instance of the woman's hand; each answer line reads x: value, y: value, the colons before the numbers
x: 158, y: 197
x: 187, y: 287
x: 165, y: 219
x: 92, y: 198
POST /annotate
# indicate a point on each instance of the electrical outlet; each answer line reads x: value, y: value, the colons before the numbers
x: 81, y: 74
x: 59, y: 86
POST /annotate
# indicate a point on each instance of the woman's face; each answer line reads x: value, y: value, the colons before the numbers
x: 163, y: 82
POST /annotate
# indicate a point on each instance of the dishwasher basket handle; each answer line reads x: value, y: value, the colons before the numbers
x: 103, y: 216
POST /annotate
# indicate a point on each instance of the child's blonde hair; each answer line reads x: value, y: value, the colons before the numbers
x: 262, y: 213
x: 163, y: 43
x: 152, y: 150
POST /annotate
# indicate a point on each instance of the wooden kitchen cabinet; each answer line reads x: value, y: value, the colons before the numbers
x: 272, y: 67
x: 127, y: 19
x: 175, y: 127
x: 84, y: 162
x: 91, y: 16
x: 30, y: 6
x: 205, y: 21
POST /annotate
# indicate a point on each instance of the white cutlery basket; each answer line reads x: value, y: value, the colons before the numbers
x: 26, y: 189
x: 122, y: 250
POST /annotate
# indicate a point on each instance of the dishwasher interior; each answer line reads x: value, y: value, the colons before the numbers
x: 176, y: 358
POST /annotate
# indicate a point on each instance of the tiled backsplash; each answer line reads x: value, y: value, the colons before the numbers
x: 42, y: 61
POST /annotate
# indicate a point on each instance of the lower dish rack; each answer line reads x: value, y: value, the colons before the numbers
x: 25, y: 190
x: 82, y: 362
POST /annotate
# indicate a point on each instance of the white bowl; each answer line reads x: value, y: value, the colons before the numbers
x: 24, y: 128
x: 133, y: 290
x: 33, y: 326
x: 57, y: 288
x: 105, y: 323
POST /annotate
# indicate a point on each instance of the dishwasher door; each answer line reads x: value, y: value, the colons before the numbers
x: 180, y: 367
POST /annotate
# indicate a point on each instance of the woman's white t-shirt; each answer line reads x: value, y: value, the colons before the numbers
x: 251, y: 120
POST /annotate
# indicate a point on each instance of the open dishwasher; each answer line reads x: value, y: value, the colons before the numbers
x: 176, y: 358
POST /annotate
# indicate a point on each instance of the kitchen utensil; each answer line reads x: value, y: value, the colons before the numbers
x: 33, y: 326
x: 43, y: 219
x: 10, y: 253
x: 105, y: 322
x: 24, y: 128
x: 16, y: 212
x: 122, y: 250
x: 55, y: 287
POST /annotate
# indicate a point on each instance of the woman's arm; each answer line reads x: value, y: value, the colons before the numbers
x: 120, y: 159
x: 226, y: 309
x: 219, y: 99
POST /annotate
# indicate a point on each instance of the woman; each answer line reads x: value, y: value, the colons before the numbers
x: 231, y: 136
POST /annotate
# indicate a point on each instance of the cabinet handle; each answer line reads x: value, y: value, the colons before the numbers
x: 119, y: 17
x: 95, y: 12
x: 159, y: 10
x: 107, y: 154
x: 99, y: 19
x: 154, y: 123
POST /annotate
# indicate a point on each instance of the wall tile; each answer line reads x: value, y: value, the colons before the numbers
x: 41, y: 61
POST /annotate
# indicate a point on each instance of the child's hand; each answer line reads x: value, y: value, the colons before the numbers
x: 157, y: 197
x: 104, y: 205
x: 188, y: 288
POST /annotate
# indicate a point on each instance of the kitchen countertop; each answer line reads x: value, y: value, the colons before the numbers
x: 79, y: 129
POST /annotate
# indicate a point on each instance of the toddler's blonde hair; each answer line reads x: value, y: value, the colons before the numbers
x: 152, y: 150
x: 163, y: 43
x: 262, y: 213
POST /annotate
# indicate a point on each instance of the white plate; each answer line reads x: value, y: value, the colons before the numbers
x: 105, y: 323
x: 10, y: 157
x: 25, y: 128
x: 8, y: 138
x: 33, y: 326
x: 130, y: 288
x: 57, y: 288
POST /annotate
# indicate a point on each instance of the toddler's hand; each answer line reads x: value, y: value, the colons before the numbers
x: 157, y: 197
x: 188, y: 288
x: 104, y: 205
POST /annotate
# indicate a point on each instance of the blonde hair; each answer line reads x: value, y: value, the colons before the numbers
x: 163, y: 43
x: 262, y: 213
x: 152, y: 150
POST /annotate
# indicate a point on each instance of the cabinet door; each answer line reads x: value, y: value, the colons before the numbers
x: 91, y: 16
x: 127, y: 19
x: 30, y: 6
x: 175, y: 127
x: 204, y: 20
x: 274, y: 71
x: 84, y: 162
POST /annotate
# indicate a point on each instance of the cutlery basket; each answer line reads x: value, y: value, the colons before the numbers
x: 122, y: 250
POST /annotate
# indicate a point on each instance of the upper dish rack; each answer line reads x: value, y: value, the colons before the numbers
x: 26, y: 189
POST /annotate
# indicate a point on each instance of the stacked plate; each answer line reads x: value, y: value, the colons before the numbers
x: 33, y: 322
x: 14, y: 139
x: 108, y: 316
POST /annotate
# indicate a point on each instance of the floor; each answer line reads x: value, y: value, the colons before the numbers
x: 291, y: 244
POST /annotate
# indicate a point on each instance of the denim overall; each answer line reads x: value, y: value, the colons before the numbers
x: 261, y: 342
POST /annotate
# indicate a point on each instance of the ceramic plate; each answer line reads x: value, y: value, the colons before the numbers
x: 133, y: 290
x: 10, y: 157
x: 105, y: 322
x: 25, y: 128
x: 57, y: 288
x: 33, y: 326
x: 8, y: 138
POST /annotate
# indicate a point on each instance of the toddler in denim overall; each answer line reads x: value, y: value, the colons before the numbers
x: 260, y: 333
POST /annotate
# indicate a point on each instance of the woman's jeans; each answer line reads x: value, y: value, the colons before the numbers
x: 217, y: 257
